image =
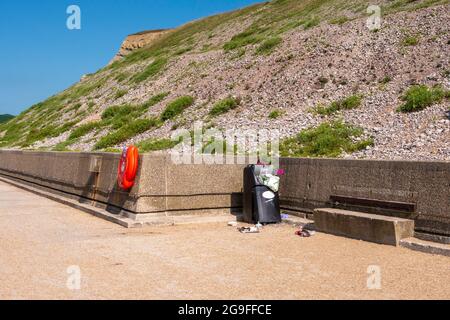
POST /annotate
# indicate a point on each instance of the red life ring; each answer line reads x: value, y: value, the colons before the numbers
x: 128, y: 165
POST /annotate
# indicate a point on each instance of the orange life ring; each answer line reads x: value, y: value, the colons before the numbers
x: 128, y: 165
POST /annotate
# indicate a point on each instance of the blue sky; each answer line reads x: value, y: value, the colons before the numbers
x: 39, y: 56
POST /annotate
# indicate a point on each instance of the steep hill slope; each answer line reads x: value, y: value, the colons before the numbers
x: 290, y: 65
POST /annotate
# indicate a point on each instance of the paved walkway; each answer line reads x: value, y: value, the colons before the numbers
x: 41, y: 239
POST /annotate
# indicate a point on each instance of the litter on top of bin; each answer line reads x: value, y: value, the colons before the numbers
x: 268, y: 176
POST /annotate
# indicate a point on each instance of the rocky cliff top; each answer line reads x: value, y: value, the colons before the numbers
x: 137, y: 41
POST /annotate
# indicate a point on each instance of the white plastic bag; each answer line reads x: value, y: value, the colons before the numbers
x: 271, y: 181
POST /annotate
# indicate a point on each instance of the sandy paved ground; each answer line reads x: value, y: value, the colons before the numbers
x: 40, y: 239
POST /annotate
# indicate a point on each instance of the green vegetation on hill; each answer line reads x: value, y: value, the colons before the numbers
x: 151, y: 70
x: 329, y: 139
x: 155, y: 144
x: 348, y: 103
x: 268, y: 45
x: 223, y: 106
x: 410, y: 41
x: 176, y: 107
x: 121, y: 119
x: 119, y: 115
x: 84, y: 129
x: 126, y: 132
x: 339, y: 20
x: 5, y: 117
x: 249, y: 36
x: 418, y: 98
x: 37, y: 134
x: 120, y: 94
x: 275, y: 114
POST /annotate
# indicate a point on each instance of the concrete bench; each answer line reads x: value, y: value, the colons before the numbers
x: 363, y: 226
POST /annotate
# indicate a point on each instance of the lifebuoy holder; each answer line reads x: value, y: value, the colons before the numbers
x: 128, y: 164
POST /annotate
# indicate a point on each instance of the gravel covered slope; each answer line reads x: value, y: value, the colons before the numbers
x: 309, y: 67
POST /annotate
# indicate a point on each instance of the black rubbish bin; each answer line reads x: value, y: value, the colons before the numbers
x: 260, y: 203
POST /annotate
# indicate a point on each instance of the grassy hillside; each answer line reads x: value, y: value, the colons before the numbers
x: 185, y: 76
x: 5, y: 117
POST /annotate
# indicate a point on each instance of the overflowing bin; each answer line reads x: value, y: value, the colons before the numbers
x: 261, y: 201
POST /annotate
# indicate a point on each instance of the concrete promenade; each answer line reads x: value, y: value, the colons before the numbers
x: 416, y: 190
x: 40, y: 239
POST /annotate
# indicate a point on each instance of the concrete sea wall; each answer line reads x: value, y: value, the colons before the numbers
x: 165, y: 188
x: 160, y: 186
x: 310, y: 183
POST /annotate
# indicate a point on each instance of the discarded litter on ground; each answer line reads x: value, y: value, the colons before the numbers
x: 248, y: 230
x: 304, y: 233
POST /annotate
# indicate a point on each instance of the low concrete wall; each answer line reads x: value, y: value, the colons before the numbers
x: 165, y: 188
x: 161, y: 186
x: 309, y: 183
